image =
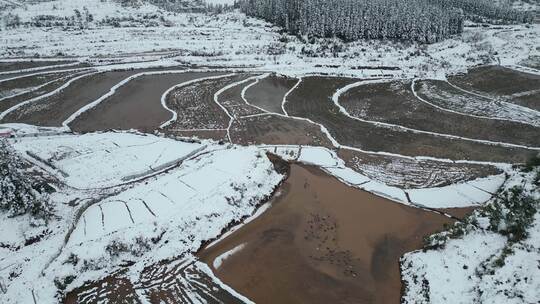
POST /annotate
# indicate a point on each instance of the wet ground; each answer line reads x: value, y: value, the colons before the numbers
x: 268, y: 93
x: 394, y: 103
x: 278, y: 130
x: 9, y: 66
x: 413, y: 174
x: 54, y: 110
x: 312, y: 99
x: 196, y: 106
x: 39, y: 89
x: 170, y: 282
x: 323, y: 242
x: 136, y: 105
x: 514, y: 86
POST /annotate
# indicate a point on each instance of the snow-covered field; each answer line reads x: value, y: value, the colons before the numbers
x: 150, y: 33
x: 121, y: 158
x: 158, y: 215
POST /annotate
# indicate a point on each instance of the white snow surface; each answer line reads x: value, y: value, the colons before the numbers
x: 465, y: 194
x: 449, y: 281
x: 464, y: 269
x: 104, y: 159
x: 218, y: 261
x: 148, y: 33
x: 182, y: 206
x: 475, y: 192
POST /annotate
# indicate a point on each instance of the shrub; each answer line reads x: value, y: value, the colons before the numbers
x: 19, y: 193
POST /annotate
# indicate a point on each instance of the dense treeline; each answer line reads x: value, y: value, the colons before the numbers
x: 417, y: 20
x: 478, y: 10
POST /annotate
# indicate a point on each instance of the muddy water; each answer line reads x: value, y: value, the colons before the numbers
x: 268, y: 93
x: 137, y: 105
x: 54, y: 110
x: 323, y: 242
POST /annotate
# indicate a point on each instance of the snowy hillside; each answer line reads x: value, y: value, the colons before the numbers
x: 91, y: 28
x: 492, y: 257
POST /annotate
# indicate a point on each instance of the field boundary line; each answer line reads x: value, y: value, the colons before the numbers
x: 64, y: 86
x: 460, y: 113
x: 216, y: 100
x: 40, y: 68
x: 339, y: 92
x: 180, y: 85
x: 46, y: 72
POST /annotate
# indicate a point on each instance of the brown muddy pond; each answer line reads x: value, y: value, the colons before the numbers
x: 322, y: 242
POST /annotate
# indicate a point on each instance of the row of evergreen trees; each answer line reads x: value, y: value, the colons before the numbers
x: 413, y: 20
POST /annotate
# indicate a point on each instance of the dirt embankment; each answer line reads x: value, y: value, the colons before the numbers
x: 323, y: 242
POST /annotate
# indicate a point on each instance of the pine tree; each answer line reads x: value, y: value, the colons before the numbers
x: 425, y: 21
x: 18, y: 194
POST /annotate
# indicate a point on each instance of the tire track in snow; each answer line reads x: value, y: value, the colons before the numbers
x: 146, y: 205
x: 129, y: 211
x: 102, y: 217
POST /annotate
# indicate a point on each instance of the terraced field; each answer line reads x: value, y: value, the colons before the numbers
x: 422, y: 146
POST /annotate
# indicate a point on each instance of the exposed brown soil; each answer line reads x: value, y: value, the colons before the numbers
x: 412, y: 174
x: 196, y: 107
x: 323, y: 242
x: 111, y: 289
x: 56, y: 109
x: 271, y: 129
x: 136, y: 105
x: 269, y: 92
x: 312, y: 100
x: 394, y: 103
x: 499, y: 81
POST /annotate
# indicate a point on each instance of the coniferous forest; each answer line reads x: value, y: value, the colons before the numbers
x: 424, y: 21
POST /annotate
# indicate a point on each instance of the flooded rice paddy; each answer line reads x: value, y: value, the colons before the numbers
x: 321, y: 241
